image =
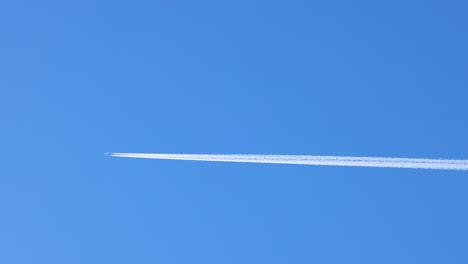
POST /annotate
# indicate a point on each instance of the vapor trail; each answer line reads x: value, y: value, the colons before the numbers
x: 435, y: 164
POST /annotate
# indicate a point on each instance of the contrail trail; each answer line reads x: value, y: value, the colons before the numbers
x: 409, y: 163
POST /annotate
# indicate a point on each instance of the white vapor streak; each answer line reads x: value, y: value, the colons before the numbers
x: 436, y: 164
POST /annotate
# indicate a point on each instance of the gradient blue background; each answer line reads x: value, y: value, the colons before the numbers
x: 365, y: 78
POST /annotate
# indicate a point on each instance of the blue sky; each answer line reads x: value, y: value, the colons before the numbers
x: 359, y: 78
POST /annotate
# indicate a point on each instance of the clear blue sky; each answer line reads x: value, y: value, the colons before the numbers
x: 364, y: 78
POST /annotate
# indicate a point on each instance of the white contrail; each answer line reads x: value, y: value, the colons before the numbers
x: 436, y: 164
